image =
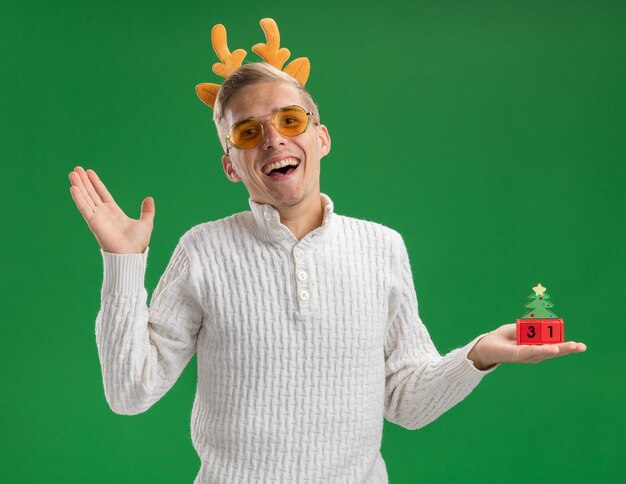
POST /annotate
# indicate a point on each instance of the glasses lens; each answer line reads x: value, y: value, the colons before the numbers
x: 246, y: 134
x: 291, y: 121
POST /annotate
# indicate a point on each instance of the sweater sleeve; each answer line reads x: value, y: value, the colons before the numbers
x: 420, y: 384
x: 143, y: 350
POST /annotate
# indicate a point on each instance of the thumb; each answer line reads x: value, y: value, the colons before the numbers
x: 147, y: 209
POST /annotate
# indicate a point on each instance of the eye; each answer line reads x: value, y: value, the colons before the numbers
x: 248, y: 133
x: 289, y: 121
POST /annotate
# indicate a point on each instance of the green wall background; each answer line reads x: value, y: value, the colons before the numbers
x: 490, y: 134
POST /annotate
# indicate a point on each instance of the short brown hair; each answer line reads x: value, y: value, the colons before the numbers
x: 247, y: 75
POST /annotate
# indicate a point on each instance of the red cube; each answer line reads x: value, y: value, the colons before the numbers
x: 552, y: 330
x: 540, y: 331
x: 528, y: 331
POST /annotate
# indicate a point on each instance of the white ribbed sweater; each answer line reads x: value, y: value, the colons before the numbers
x: 302, y: 346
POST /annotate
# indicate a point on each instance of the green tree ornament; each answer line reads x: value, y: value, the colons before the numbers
x: 539, y: 304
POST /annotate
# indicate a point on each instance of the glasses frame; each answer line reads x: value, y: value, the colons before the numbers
x: 258, y: 119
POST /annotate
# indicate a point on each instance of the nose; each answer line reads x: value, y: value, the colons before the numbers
x: 271, y: 137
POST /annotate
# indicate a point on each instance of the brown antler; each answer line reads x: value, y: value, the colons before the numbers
x: 270, y: 51
x: 230, y: 61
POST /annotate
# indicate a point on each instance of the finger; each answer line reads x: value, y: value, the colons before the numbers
x: 77, y: 181
x: 78, y: 184
x: 91, y: 191
x: 509, y: 330
x: 147, y: 209
x: 555, y: 355
x: 571, y: 347
x: 102, y: 191
x: 536, y: 353
x: 83, y: 207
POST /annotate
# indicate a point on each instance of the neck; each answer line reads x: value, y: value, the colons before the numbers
x: 304, y: 217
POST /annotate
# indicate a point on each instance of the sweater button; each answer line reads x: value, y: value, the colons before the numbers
x: 302, y: 276
x: 298, y: 252
x: 304, y: 295
x: 279, y: 235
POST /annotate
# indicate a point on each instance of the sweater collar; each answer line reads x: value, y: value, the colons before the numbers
x: 267, y: 226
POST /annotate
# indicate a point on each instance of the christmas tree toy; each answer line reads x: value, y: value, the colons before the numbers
x: 539, y: 325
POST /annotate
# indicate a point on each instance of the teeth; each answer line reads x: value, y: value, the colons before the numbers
x: 279, y: 164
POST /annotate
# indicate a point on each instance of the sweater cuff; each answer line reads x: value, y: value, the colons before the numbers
x: 462, y: 368
x: 468, y: 347
x: 124, y: 273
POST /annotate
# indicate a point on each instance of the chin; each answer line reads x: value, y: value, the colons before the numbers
x: 290, y: 200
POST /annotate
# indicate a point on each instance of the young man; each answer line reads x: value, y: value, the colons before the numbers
x: 305, y: 322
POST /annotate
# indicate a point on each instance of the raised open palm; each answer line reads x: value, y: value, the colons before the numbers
x: 114, y: 231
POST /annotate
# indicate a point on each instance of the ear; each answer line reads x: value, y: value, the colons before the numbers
x: 229, y: 169
x: 323, y: 139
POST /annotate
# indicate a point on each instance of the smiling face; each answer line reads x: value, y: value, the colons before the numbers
x: 299, y: 186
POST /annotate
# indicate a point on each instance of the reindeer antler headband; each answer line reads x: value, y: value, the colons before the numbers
x: 231, y: 61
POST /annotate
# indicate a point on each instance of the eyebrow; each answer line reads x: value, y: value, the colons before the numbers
x: 261, y: 115
x: 274, y: 111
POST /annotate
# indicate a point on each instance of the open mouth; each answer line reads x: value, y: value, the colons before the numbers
x: 281, y: 169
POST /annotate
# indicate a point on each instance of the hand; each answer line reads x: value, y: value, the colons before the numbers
x: 500, y: 346
x: 114, y: 231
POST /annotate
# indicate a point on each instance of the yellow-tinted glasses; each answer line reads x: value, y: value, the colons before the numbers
x: 248, y: 133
